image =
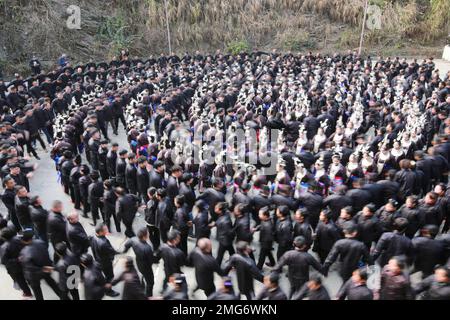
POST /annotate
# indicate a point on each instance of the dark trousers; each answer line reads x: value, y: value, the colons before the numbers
x: 108, y: 214
x: 265, y: 252
x: 86, y: 206
x: 163, y: 230
x: 95, y: 209
x: 48, y: 132
x: 129, y: 229
x: 183, y: 242
x: 296, y: 285
x: 221, y: 251
x: 154, y: 236
x: 77, y: 196
x: 38, y: 137
x: 35, y: 285
x: 15, y: 221
x: 73, y: 293
x: 120, y: 117
x: 19, y: 278
x: 108, y: 271
x: 149, y: 279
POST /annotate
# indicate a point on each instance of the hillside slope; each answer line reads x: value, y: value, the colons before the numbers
x: 410, y: 27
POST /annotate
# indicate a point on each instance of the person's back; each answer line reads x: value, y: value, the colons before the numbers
x: 94, y: 283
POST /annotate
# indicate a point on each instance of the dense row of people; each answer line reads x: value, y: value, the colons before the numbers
x: 361, y: 175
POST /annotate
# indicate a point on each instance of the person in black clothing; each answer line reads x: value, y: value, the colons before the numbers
x: 313, y: 290
x: 212, y: 196
x: 224, y: 231
x: 302, y: 227
x: 142, y: 178
x: 132, y: 286
x: 182, y: 222
x: 104, y: 253
x: 151, y: 218
x: 111, y: 161
x: 35, y: 65
x: 121, y: 165
x: 22, y: 203
x: 93, y: 279
x: 92, y: 148
x: 246, y: 269
x: 74, y: 179
x: 131, y: 174
x: 393, y: 243
x: 144, y: 257
x: 8, y: 199
x: 299, y: 263
x: 266, y: 237
x: 369, y: 226
x: 350, y: 252
x: 172, y: 256
x: 164, y: 214
x: 66, y: 260
x: 436, y: 286
x: 411, y: 211
x: 10, y: 252
x: 283, y: 230
x: 84, y: 181
x: 102, y: 159
x: 205, y: 266
x: 56, y: 226
x: 66, y: 166
x: 37, y: 265
x: 355, y: 288
x: 95, y: 193
x: 109, y: 205
x: 126, y: 207
x: 76, y: 235
x: 39, y: 217
x: 428, y: 252
x: 201, y: 220
x: 326, y: 235
x: 271, y: 290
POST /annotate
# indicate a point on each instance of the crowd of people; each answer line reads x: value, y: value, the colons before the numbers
x: 362, y: 161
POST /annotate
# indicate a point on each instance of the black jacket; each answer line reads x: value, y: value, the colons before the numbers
x: 266, y: 234
x: 94, y: 283
x: 56, y: 228
x: 246, y: 271
x: 126, y: 207
x: 173, y: 259
x: 353, y: 291
x: 224, y: 232
x: 428, y: 253
x: 23, y: 211
x: 369, y: 228
x: 131, y: 178
x: 132, y: 285
x: 392, y: 244
x: 205, y: 265
x: 189, y: 195
x: 305, y: 292
x: 326, y: 236
x: 335, y: 203
x: 143, y: 180
x: 78, y: 239
x: 299, y: 263
x: 111, y: 161
x: 359, y: 197
x: 433, y: 290
x: 121, y: 165
x: 241, y: 228
x: 172, y: 187
x: 283, y: 232
x: 350, y: 253
x: 10, y: 252
x: 212, y: 197
x: 305, y: 230
x: 143, y: 252
x: 181, y: 219
x: 102, y: 250
x: 33, y: 258
x: 156, y: 179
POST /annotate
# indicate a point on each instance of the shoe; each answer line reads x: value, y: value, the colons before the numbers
x: 270, y: 264
x: 37, y: 157
x: 112, y: 293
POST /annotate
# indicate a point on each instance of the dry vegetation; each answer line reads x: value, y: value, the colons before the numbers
x: 289, y: 25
